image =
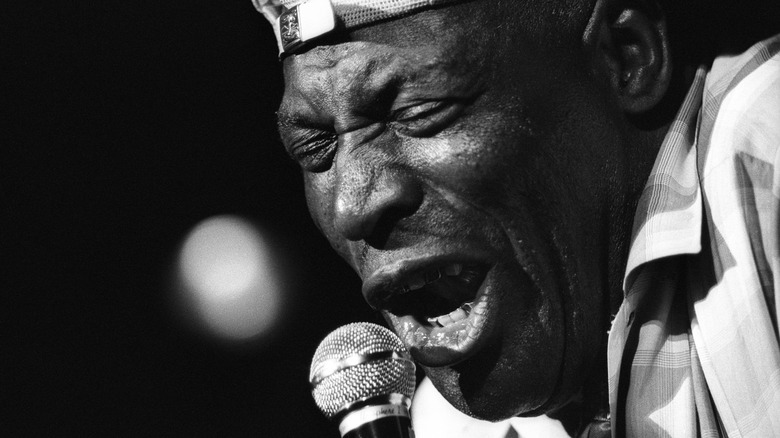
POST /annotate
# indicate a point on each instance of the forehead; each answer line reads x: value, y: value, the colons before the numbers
x: 427, y: 50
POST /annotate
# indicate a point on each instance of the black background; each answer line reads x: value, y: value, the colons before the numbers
x: 124, y: 125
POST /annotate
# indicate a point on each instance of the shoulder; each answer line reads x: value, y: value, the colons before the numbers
x: 748, y: 120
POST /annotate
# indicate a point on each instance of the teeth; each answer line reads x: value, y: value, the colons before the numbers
x: 416, y: 283
x: 444, y: 320
x: 456, y: 315
x: 419, y: 281
x: 429, y: 277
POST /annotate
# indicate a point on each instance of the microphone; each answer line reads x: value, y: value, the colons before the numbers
x: 362, y: 377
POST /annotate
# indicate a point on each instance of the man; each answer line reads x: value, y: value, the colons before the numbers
x: 512, y: 180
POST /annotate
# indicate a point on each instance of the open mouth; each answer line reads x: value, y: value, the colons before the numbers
x: 439, y: 297
x: 438, y: 309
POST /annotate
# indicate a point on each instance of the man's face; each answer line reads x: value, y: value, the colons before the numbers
x: 465, y: 168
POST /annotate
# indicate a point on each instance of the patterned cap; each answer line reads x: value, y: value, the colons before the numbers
x: 296, y: 22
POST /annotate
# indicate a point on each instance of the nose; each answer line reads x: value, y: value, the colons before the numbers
x: 371, y: 198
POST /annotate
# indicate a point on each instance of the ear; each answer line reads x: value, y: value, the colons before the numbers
x: 630, y: 42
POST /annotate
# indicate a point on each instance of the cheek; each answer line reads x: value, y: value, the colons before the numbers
x: 317, y: 198
x: 318, y: 188
x: 531, y: 353
x: 481, y: 160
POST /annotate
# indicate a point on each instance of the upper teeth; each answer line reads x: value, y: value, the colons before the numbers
x: 418, y: 281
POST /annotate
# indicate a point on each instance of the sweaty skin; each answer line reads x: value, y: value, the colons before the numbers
x: 450, y: 142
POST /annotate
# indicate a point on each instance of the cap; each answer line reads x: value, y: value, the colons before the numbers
x: 297, y: 22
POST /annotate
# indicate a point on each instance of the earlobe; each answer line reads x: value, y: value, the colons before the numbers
x: 632, y: 43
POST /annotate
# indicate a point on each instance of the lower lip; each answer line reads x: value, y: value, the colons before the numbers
x: 444, y: 346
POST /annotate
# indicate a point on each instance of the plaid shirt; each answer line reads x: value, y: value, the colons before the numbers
x: 694, y: 349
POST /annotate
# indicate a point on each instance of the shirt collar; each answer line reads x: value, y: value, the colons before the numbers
x: 669, y: 213
x: 668, y: 220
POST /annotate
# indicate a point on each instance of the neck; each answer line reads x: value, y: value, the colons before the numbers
x: 645, y: 134
x: 590, y: 408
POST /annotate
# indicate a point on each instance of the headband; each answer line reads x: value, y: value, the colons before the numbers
x: 296, y: 22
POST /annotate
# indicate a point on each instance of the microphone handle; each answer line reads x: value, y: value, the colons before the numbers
x: 387, y: 427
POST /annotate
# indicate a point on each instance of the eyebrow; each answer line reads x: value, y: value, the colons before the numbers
x: 285, y: 120
x: 290, y: 121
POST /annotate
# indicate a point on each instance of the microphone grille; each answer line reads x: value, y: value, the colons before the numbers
x: 357, y: 361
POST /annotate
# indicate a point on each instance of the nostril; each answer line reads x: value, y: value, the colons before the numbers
x: 384, y: 226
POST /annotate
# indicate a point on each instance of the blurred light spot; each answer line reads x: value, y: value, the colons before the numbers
x: 227, y: 270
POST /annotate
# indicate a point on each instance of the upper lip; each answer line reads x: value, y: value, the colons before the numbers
x: 389, y: 279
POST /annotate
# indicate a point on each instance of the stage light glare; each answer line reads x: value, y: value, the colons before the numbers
x: 227, y: 272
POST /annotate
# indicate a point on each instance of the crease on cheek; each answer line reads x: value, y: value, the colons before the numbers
x: 317, y: 193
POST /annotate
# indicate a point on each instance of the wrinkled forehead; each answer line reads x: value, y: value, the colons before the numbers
x: 401, y: 56
x: 407, y: 49
x: 364, y: 79
x: 361, y: 62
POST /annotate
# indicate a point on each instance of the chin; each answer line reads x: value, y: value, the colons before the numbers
x: 499, y: 383
x: 480, y: 403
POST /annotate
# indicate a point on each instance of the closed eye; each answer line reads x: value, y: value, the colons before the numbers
x: 426, y: 119
x: 312, y: 149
